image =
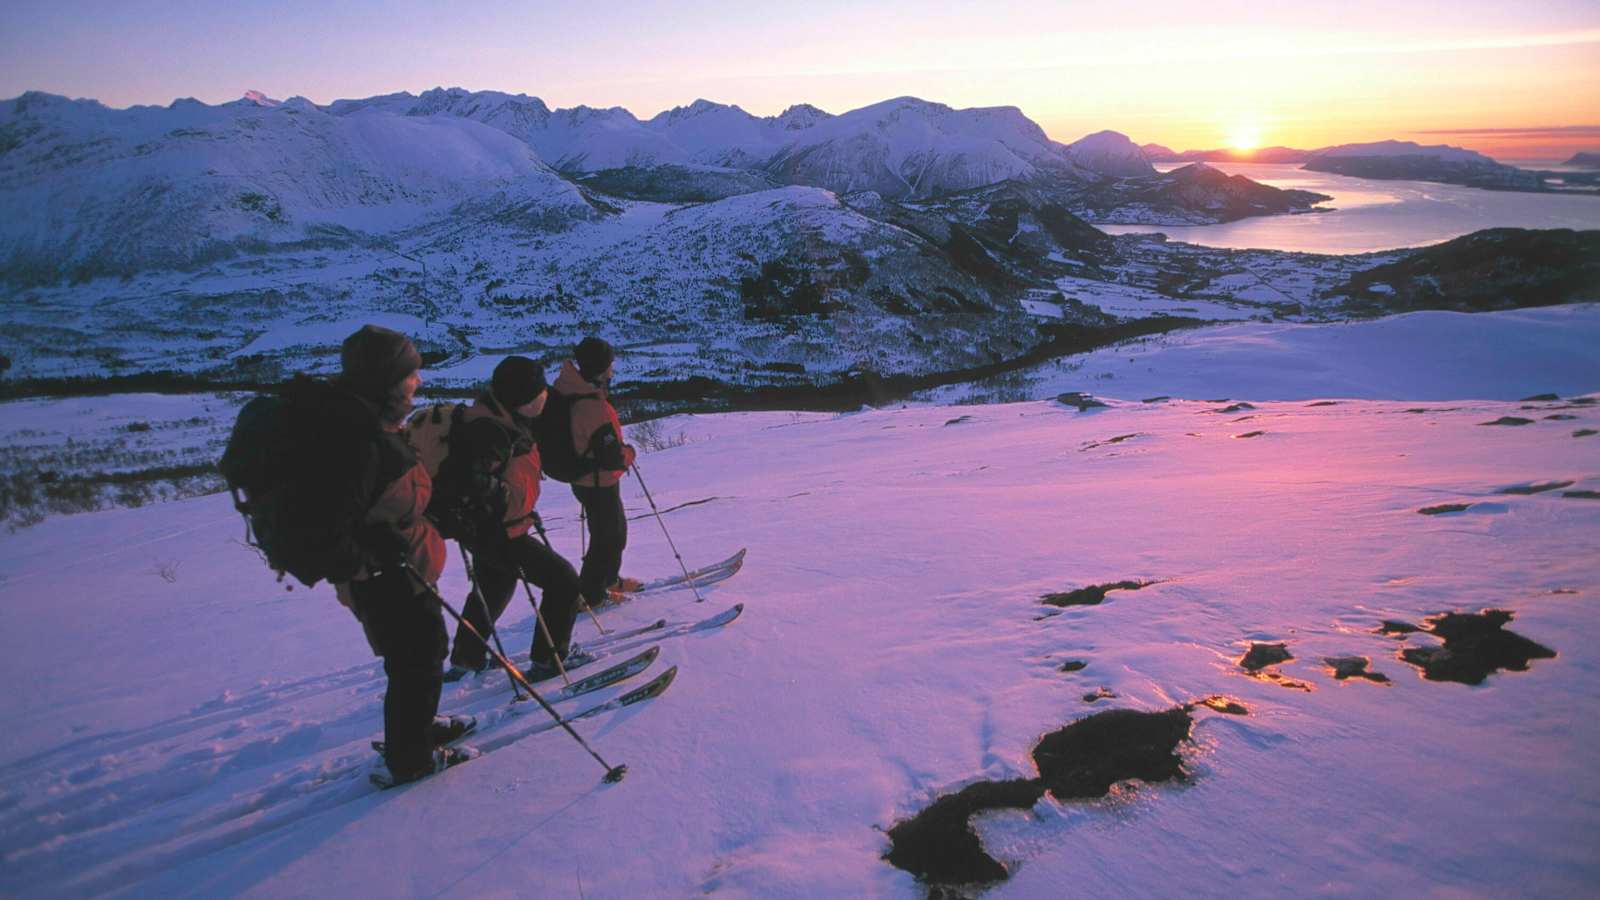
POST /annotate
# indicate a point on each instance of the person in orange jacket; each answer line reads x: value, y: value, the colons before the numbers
x: 597, y: 436
x: 392, y: 592
x: 503, y: 551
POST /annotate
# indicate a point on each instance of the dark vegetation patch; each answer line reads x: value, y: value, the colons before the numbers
x: 1250, y: 434
x: 1582, y: 495
x: 1443, y: 508
x: 1353, y: 667
x: 1079, y: 399
x: 1534, y: 488
x: 1585, y: 432
x: 1074, y: 665
x: 1475, y: 646
x: 1080, y: 761
x: 1509, y: 420
x: 1262, y: 655
x: 1093, y: 595
x: 1497, y: 268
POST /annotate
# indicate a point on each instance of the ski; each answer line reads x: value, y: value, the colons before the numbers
x: 714, y: 572
x: 612, y: 637
x: 671, y: 631
x: 651, y: 689
x: 607, y: 676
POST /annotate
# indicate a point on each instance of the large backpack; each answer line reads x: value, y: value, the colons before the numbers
x: 429, y: 431
x: 469, y: 492
x: 553, y: 431
x: 303, y: 467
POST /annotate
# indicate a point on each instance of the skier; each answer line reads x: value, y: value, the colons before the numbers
x: 404, y: 555
x: 494, y: 432
x: 597, y: 438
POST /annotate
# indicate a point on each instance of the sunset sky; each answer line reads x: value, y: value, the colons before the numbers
x: 1512, y: 80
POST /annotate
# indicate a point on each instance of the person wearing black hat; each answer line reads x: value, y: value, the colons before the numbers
x: 495, y: 429
x: 597, y: 436
x: 392, y: 593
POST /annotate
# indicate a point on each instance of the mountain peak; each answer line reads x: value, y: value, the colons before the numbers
x: 259, y: 99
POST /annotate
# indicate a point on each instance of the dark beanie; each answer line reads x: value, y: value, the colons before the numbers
x: 593, y: 357
x: 375, y: 359
x: 517, y: 380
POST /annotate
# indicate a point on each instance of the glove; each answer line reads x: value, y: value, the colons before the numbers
x: 384, y: 545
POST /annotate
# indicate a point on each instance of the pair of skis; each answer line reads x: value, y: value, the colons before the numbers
x: 619, y: 642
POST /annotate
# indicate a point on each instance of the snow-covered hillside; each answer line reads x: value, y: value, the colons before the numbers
x: 91, y: 191
x: 184, y: 727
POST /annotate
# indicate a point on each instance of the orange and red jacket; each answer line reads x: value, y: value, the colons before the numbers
x: 591, y: 412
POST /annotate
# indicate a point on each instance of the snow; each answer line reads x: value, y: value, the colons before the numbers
x: 207, y: 734
x: 1416, y: 356
x: 326, y: 333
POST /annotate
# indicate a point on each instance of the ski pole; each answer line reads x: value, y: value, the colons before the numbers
x: 545, y: 630
x: 613, y: 773
x: 663, y: 523
x: 538, y: 525
x: 488, y: 616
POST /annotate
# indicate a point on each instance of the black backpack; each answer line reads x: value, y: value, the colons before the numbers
x: 303, y: 467
x: 553, y: 431
x: 469, y: 494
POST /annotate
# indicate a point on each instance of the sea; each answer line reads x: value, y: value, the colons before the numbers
x: 1367, y: 215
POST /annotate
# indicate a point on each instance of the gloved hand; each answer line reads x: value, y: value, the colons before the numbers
x: 385, y: 546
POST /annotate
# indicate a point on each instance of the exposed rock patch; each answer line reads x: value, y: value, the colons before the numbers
x: 1539, y: 398
x: 958, y: 420
x: 1078, y: 399
x: 1444, y: 508
x: 1225, y: 705
x: 1250, y: 434
x: 1560, y: 417
x: 1509, y: 420
x: 1093, y: 595
x: 1394, y: 628
x: 1100, y: 693
x: 1582, y: 495
x: 1074, y: 665
x: 1538, y: 487
x: 1324, y: 403
x: 1241, y: 406
x: 1080, y: 761
x: 1262, y: 655
x: 1585, y: 432
x: 1161, y: 399
x: 1475, y: 646
x: 1353, y: 667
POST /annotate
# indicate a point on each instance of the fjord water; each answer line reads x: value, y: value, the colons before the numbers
x: 1367, y: 214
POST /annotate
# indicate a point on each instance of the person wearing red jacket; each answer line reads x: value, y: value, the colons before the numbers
x: 392, y: 593
x: 495, y: 429
x: 597, y: 436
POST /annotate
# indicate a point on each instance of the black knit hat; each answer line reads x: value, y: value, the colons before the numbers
x: 375, y: 359
x: 517, y: 380
x: 593, y: 357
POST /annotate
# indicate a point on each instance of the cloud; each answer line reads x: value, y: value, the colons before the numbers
x: 1553, y: 131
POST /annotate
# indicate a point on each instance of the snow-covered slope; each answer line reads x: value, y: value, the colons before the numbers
x: 188, y: 728
x: 908, y: 147
x: 90, y: 190
x: 1110, y: 153
x: 1427, y: 356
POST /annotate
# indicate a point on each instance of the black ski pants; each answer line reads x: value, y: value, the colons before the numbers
x: 406, y: 627
x: 608, y: 537
x: 498, y: 570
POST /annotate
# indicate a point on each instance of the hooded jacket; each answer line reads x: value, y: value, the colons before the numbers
x: 592, y: 416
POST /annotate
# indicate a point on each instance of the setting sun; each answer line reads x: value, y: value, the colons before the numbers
x: 1244, y: 139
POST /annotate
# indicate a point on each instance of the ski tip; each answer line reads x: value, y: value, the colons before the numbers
x: 649, y: 656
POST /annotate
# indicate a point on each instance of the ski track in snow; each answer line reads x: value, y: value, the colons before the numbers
x: 210, y: 735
